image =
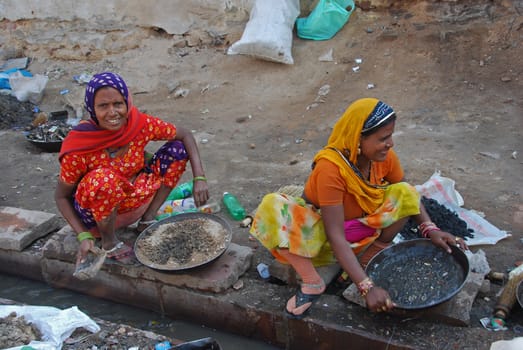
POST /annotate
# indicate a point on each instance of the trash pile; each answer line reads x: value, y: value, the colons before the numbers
x: 21, y: 91
x: 17, y: 330
x: 51, y: 131
x: 48, y: 133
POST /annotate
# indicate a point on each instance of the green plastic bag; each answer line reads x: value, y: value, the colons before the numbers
x: 327, y: 18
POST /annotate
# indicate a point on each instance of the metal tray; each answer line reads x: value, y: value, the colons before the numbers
x: 214, y: 225
x: 47, y: 146
x: 418, y: 274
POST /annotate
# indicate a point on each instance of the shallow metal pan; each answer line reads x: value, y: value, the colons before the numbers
x: 418, y: 274
x: 47, y: 146
x: 215, y: 225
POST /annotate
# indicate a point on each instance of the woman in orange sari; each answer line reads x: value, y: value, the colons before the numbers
x: 107, y: 181
x: 354, y: 202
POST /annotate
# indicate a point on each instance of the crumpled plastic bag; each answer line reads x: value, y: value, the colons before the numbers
x: 442, y: 190
x: 28, y: 88
x: 4, y: 77
x: 327, y: 18
x: 514, y: 344
x: 268, y: 33
x: 55, y: 325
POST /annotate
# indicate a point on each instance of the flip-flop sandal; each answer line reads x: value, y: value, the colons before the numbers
x: 302, y: 299
x: 121, y: 253
x: 92, y: 264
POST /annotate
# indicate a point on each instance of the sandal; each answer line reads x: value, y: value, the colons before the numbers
x: 92, y: 264
x: 121, y: 253
x: 304, y: 298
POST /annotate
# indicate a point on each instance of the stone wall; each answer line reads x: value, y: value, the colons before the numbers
x: 173, y: 16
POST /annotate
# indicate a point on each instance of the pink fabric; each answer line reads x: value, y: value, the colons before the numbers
x: 355, y: 231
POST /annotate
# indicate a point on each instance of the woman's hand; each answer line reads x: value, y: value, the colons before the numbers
x: 85, y: 246
x: 378, y: 300
x: 444, y: 239
x: 200, y: 192
x: 200, y: 189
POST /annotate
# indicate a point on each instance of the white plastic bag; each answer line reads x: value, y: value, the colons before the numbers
x: 55, y: 325
x: 513, y: 344
x: 442, y: 190
x: 28, y: 88
x: 268, y: 33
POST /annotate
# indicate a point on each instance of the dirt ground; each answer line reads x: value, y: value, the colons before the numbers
x: 451, y: 70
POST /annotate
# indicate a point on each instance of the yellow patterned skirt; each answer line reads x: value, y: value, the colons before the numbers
x: 284, y: 221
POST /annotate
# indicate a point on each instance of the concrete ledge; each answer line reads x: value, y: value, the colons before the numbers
x: 255, y: 310
x: 20, y: 227
x: 216, y: 276
x: 24, y: 264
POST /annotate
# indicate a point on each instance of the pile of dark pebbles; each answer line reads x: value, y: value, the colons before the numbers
x: 13, y: 113
x: 445, y: 219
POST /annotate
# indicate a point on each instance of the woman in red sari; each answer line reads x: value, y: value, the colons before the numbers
x: 106, y: 180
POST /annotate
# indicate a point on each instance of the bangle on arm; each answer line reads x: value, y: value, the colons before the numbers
x: 199, y: 178
x: 82, y: 236
x: 427, y: 227
x: 365, y: 286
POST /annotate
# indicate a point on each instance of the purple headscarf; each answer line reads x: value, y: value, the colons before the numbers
x: 101, y: 80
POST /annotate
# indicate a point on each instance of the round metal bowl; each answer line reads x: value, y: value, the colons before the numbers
x: 417, y: 274
x: 47, y: 146
x: 172, y: 244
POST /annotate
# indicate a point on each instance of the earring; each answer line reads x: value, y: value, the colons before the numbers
x: 359, y: 150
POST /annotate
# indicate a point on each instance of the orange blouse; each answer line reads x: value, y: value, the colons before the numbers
x: 325, y: 186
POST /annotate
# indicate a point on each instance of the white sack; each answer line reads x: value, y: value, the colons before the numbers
x: 268, y: 33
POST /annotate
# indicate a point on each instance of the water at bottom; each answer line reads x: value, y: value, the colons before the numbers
x: 36, y: 293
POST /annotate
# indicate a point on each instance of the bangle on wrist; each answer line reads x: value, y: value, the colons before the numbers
x: 365, y: 286
x: 82, y: 236
x: 199, y: 178
x: 427, y: 227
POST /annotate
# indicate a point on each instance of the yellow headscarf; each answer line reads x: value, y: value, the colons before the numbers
x: 346, y: 136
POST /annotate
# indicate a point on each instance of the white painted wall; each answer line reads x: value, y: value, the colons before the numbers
x: 173, y: 16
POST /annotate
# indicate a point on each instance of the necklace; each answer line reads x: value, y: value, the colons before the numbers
x: 366, y: 172
x: 357, y: 171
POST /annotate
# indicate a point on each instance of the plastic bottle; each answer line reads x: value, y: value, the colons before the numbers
x: 185, y: 205
x: 212, y: 206
x: 181, y: 191
x: 165, y: 208
x: 233, y: 206
x: 176, y: 206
